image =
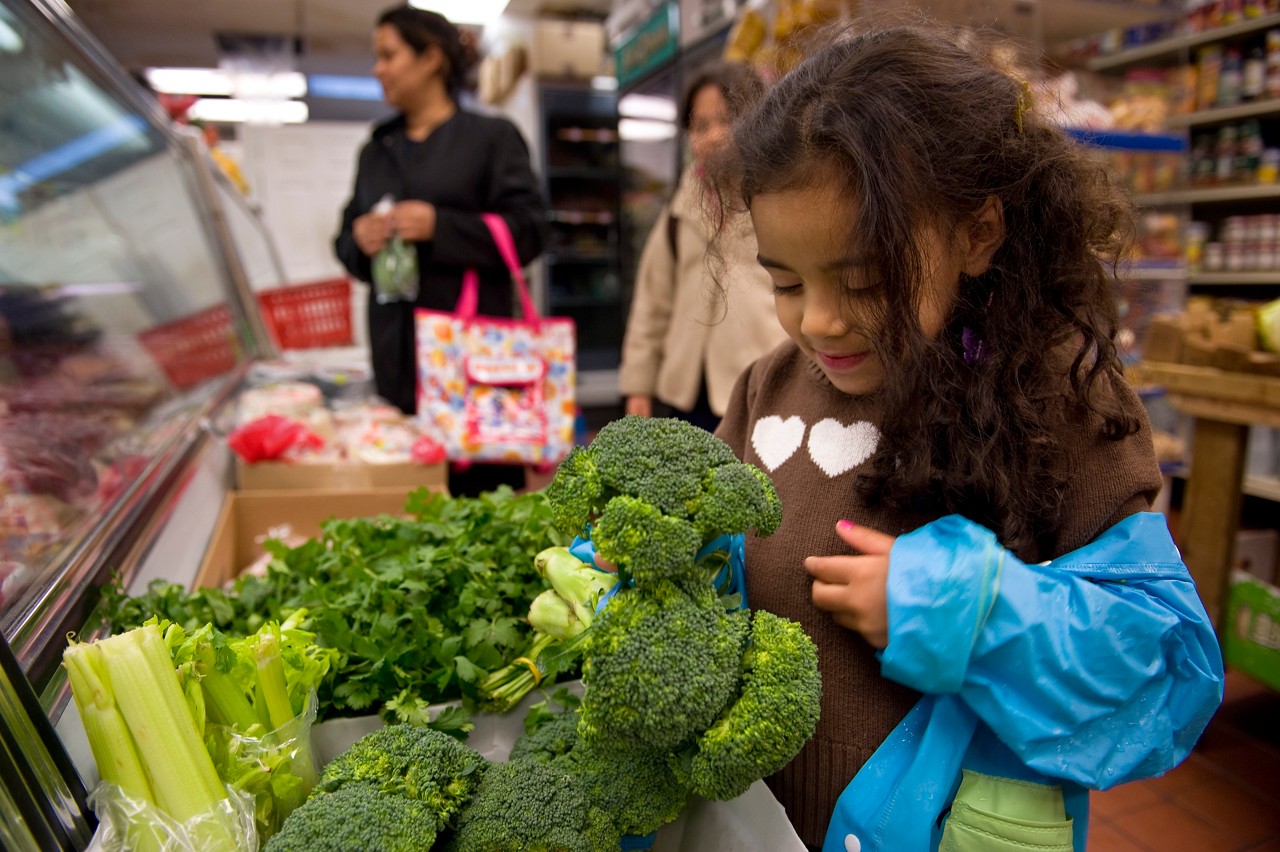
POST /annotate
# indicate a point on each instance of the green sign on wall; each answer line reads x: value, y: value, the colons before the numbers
x: 653, y: 43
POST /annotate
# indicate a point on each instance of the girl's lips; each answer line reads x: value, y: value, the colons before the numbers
x: 841, y: 362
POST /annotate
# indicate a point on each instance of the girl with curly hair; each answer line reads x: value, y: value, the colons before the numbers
x: 966, y: 477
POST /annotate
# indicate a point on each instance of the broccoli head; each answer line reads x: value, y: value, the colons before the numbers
x: 660, y: 666
x: 638, y: 787
x: 534, y: 807
x: 421, y: 764
x: 356, y: 818
x: 645, y: 544
x: 773, y: 717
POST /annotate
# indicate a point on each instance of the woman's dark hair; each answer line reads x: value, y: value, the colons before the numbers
x: 918, y: 127
x: 738, y: 83
x: 421, y: 29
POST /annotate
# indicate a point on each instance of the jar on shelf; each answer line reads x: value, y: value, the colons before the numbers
x: 1215, y: 258
x: 1197, y: 236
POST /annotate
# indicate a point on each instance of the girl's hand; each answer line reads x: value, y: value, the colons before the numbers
x: 414, y: 221
x: 854, y: 589
x: 371, y: 232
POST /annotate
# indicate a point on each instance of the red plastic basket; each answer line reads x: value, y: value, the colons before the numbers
x: 306, y: 316
x: 193, y: 348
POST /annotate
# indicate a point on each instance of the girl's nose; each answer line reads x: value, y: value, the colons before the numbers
x: 823, y: 317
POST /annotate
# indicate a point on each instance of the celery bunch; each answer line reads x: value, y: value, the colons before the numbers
x: 144, y: 737
x: 254, y: 698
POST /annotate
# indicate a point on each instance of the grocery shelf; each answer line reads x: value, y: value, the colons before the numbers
x: 1264, y: 487
x: 1269, y: 277
x: 1152, y: 270
x: 1219, y: 115
x: 1172, y: 49
x: 1210, y: 194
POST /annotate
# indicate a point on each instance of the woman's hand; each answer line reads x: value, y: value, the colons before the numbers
x: 854, y: 589
x: 414, y: 221
x: 641, y: 406
x: 371, y: 232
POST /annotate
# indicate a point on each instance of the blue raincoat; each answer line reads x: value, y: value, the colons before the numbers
x: 1098, y: 668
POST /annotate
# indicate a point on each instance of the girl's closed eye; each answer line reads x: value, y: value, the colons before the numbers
x: 786, y: 288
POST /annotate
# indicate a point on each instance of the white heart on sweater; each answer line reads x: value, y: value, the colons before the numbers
x: 837, y: 448
x: 775, y: 440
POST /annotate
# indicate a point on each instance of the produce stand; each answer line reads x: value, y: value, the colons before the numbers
x: 1224, y: 405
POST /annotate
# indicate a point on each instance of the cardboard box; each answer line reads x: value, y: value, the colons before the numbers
x: 568, y: 49
x: 246, y: 517
x: 333, y: 476
x: 1252, y: 639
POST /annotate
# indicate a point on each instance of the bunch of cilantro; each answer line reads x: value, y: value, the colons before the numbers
x: 418, y: 609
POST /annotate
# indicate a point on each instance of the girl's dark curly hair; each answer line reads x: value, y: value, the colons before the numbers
x: 918, y: 127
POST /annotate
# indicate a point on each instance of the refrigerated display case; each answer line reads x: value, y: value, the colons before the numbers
x: 127, y: 320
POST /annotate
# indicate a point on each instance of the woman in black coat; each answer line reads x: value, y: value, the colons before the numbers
x: 444, y: 167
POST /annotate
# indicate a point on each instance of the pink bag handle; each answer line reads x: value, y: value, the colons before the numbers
x: 469, y: 299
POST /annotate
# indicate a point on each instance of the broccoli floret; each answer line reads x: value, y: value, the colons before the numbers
x: 773, y: 717
x: 576, y: 494
x: 637, y: 786
x: 556, y: 736
x: 660, y: 666
x: 645, y: 544
x: 534, y: 807
x: 421, y: 764
x: 737, y: 498
x: 356, y: 818
x: 659, y: 460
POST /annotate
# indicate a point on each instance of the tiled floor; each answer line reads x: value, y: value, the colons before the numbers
x: 1224, y: 798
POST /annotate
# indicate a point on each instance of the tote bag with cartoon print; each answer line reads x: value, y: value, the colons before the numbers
x: 496, y: 389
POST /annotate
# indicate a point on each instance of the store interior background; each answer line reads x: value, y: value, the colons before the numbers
x: 299, y: 175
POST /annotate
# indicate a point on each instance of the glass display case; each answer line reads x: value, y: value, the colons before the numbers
x: 126, y: 316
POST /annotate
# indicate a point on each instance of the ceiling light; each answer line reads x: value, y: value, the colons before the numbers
x: 645, y: 130
x: 473, y: 12
x: 250, y: 112
x: 647, y: 106
x: 216, y: 81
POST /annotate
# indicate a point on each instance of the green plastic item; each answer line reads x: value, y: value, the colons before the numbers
x: 395, y: 268
x: 992, y: 814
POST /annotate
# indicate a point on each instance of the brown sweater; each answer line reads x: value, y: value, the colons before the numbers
x: 813, y: 440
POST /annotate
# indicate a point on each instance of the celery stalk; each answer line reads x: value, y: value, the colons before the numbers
x: 225, y: 696
x: 109, y: 737
x: 271, y: 680
x: 147, y: 691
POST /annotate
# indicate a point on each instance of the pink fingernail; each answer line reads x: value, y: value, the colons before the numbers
x: 845, y: 525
